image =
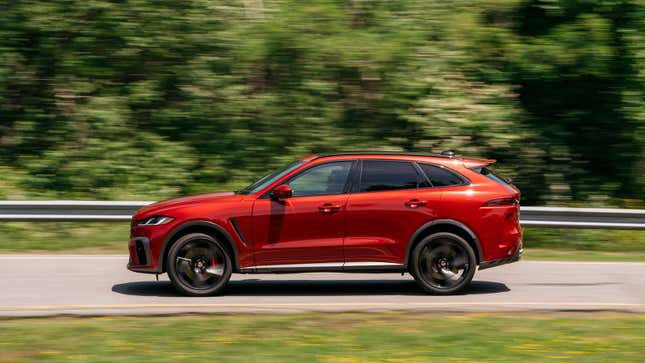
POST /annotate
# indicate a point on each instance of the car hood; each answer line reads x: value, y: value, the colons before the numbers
x: 187, y: 200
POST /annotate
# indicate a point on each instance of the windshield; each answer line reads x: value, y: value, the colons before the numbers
x: 264, y: 181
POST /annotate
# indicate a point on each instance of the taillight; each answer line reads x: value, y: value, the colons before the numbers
x: 501, y: 202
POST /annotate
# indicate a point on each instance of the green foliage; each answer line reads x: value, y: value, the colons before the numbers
x: 147, y: 99
x: 403, y: 336
x: 584, y: 239
x: 64, y: 237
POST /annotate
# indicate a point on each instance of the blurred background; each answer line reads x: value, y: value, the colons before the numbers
x: 147, y: 100
x: 152, y: 99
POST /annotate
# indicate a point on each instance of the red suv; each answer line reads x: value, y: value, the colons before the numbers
x: 435, y: 216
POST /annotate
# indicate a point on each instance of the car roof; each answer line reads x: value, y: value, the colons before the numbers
x: 384, y: 153
x: 396, y: 155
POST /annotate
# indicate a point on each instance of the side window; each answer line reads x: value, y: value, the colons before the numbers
x: 489, y: 174
x: 441, y: 177
x: 389, y: 175
x: 322, y: 179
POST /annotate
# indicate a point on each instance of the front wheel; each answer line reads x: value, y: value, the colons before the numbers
x: 443, y: 263
x: 198, y: 265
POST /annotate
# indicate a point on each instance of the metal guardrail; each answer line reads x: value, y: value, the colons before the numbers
x: 64, y: 210
x: 606, y: 218
x: 68, y: 210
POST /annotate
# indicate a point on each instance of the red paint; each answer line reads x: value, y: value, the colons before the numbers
x: 296, y: 231
x: 379, y: 224
x: 358, y: 227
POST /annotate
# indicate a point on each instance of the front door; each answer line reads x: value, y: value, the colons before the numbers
x: 309, y: 227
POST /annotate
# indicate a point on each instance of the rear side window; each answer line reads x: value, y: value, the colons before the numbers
x: 489, y: 174
x: 441, y: 177
x: 389, y: 175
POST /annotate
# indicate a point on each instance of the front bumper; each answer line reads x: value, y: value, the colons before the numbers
x: 146, y: 246
x: 503, y: 261
x: 140, y: 255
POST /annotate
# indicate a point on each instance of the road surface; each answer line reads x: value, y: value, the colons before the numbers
x: 34, y: 285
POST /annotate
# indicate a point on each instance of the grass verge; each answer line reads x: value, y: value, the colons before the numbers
x: 338, y: 337
x: 97, y: 237
x: 538, y: 254
x: 64, y: 237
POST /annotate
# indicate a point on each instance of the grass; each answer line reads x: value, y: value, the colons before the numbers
x: 64, y: 237
x: 97, y: 237
x: 318, y: 337
x: 606, y: 240
x: 538, y: 254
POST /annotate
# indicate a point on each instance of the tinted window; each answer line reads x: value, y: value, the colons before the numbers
x: 441, y: 177
x: 388, y: 175
x: 489, y: 174
x: 264, y: 181
x: 322, y: 179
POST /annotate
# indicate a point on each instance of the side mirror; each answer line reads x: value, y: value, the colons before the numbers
x: 282, y: 192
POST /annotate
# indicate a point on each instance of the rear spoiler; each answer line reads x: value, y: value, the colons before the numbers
x: 471, y: 163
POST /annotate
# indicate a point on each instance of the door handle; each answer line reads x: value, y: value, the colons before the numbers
x: 329, y: 208
x: 415, y: 203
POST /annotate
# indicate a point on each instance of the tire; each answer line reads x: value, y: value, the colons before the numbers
x: 199, y: 265
x: 443, y: 263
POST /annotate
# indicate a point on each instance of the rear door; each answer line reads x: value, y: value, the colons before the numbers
x: 390, y: 201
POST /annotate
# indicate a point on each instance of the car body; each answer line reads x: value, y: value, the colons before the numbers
x: 342, y: 212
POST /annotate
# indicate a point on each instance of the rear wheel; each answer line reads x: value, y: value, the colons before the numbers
x: 199, y: 265
x: 443, y: 263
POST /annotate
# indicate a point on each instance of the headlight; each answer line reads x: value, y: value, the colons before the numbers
x: 155, y: 221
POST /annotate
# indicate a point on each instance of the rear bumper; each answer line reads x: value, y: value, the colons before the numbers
x: 503, y: 261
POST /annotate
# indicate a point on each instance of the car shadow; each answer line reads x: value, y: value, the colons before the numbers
x: 256, y: 287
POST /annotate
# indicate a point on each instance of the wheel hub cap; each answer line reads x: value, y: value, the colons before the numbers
x: 200, y: 264
x: 444, y: 264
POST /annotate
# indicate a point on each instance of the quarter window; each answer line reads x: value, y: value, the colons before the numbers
x: 441, y: 177
x: 324, y: 179
x: 489, y: 174
x: 389, y: 175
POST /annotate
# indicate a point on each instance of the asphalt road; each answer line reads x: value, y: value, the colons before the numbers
x: 34, y: 285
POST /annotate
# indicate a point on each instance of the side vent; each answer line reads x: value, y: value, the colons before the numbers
x: 239, y: 232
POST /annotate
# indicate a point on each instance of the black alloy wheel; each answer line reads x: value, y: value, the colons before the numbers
x: 198, y: 265
x: 443, y: 263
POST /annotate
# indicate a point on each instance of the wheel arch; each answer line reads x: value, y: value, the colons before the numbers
x: 207, y: 227
x: 444, y: 225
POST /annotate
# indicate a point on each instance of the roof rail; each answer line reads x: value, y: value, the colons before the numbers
x: 442, y: 155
